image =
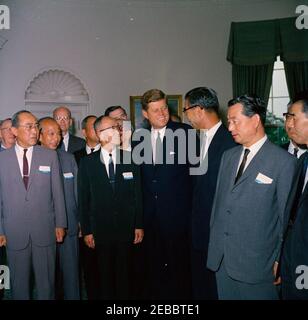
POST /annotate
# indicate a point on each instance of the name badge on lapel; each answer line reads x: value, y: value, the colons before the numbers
x: 127, y: 175
x: 68, y: 175
x: 44, y: 169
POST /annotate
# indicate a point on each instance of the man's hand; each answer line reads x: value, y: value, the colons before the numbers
x: 60, y: 233
x: 89, y: 241
x: 277, y: 281
x: 139, y: 233
x: 2, y: 240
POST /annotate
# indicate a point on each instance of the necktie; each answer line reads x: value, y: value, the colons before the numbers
x: 295, y: 151
x: 158, y: 150
x: 111, y: 171
x: 92, y: 150
x: 25, y: 169
x: 242, y: 166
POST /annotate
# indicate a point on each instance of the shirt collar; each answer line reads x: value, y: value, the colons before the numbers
x: 211, y: 132
x: 161, y: 131
x: 20, y: 149
x: 96, y: 148
x: 256, y: 146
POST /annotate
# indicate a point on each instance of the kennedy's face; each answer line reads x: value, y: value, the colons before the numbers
x: 50, y: 135
x: 27, y: 131
x: 157, y: 114
x: 297, y: 124
x: 242, y: 128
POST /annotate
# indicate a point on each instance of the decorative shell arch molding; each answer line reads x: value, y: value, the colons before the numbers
x: 56, y: 86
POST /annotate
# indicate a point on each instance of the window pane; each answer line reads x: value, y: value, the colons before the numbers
x: 279, y: 84
x: 280, y: 106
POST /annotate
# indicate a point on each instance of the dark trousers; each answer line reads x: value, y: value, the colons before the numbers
x: 167, y: 267
x: 115, y: 264
x: 203, y: 280
x: 89, y: 270
x: 2, y: 262
x: 231, y: 289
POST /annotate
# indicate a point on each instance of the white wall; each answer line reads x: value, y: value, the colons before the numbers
x: 122, y: 48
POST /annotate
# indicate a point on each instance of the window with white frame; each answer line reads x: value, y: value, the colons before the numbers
x: 279, y: 95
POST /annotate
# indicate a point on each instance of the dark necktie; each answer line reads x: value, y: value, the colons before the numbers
x: 111, y: 171
x: 295, y: 152
x: 25, y: 169
x: 92, y: 150
x: 158, y: 150
x: 242, y: 166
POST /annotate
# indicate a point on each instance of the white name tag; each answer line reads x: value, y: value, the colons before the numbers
x: 128, y: 175
x: 68, y: 175
x: 262, y: 179
x: 44, y: 169
x: 172, y: 152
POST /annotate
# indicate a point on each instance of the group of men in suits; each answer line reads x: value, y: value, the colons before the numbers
x: 224, y: 233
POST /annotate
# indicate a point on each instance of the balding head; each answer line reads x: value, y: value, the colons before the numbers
x: 63, y: 116
x: 50, y: 133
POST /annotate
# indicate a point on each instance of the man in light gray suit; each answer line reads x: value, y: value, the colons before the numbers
x: 251, y: 207
x: 32, y: 209
x: 67, y: 275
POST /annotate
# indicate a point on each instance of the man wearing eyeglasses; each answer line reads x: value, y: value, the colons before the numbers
x: 70, y: 143
x: 110, y: 206
x: 32, y: 209
x: 295, y: 258
x: 6, y: 136
x: 292, y: 147
x: 202, y: 110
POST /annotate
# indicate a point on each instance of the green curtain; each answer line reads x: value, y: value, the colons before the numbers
x: 252, y: 80
x: 297, y: 77
x: 253, y: 48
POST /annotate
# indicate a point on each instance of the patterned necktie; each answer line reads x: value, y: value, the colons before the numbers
x: 25, y: 169
x: 111, y: 171
x: 242, y: 166
x: 158, y: 150
x: 92, y: 150
x: 295, y: 152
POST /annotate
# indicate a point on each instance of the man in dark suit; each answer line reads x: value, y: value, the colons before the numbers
x: 67, y: 274
x: 250, y: 209
x: 202, y: 110
x: 292, y: 147
x: 32, y: 209
x: 167, y: 200
x: 110, y: 205
x: 88, y: 258
x: 69, y: 143
x: 295, y: 258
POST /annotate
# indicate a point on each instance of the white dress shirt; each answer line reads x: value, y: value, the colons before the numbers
x: 208, y: 135
x: 65, y: 140
x: 253, y: 151
x: 154, y: 134
x: 96, y: 148
x: 105, y: 159
x: 20, y: 156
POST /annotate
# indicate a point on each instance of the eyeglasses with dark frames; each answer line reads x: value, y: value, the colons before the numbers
x: 185, y: 109
x: 112, y: 127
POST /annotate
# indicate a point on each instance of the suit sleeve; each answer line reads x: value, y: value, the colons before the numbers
x: 58, y: 193
x: 138, y: 198
x: 84, y: 198
x: 285, y: 198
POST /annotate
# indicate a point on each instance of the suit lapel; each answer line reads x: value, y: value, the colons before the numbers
x: 254, y: 163
x: 16, y: 169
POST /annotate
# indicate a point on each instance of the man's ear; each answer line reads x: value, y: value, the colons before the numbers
x: 145, y: 114
x: 83, y: 132
x: 71, y: 122
x: 14, y: 131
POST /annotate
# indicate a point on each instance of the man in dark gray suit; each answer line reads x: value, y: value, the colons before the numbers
x: 6, y: 136
x: 294, y: 270
x: 32, y: 209
x: 251, y: 208
x: 67, y: 273
x: 69, y: 143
